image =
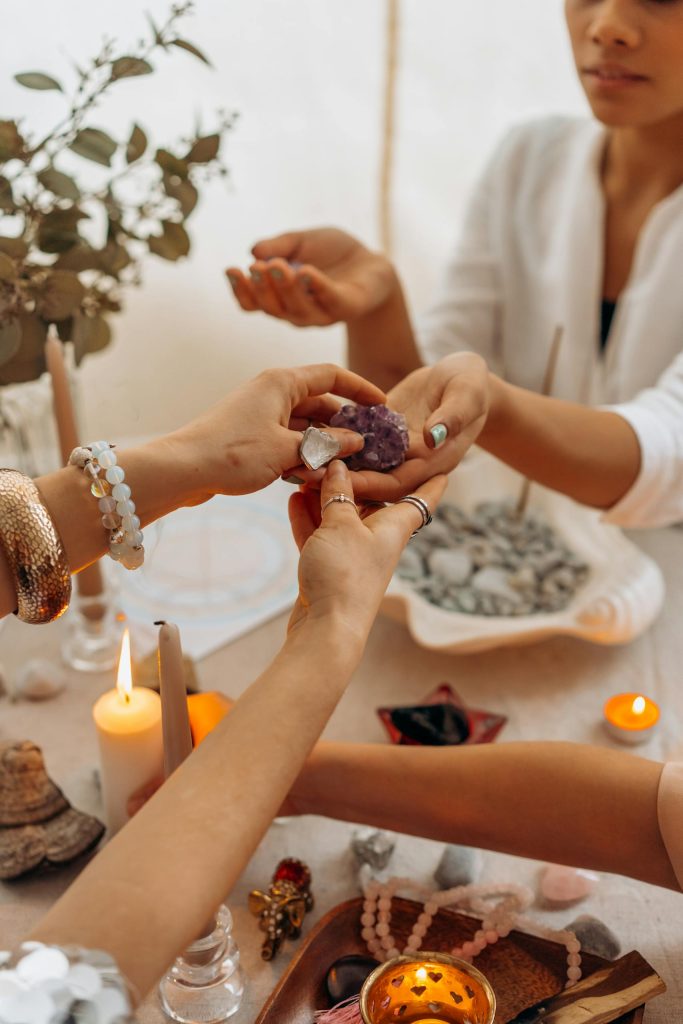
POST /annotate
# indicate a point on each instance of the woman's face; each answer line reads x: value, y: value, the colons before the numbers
x: 629, y: 56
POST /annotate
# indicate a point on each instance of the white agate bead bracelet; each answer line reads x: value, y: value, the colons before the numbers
x: 107, y: 484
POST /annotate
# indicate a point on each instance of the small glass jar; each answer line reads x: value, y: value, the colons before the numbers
x: 205, y: 985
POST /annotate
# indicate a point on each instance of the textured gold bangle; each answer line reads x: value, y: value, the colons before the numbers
x: 33, y: 549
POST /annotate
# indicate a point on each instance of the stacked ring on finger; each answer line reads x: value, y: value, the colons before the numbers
x: 341, y: 498
x: 422, y: 506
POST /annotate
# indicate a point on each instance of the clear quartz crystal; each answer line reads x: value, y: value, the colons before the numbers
x: 205, y: 985
x: 318, y: 447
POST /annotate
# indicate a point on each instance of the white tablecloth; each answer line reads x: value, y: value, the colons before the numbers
x: 551, y: 690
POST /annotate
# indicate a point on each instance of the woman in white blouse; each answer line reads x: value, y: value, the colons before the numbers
x: 577, y: 223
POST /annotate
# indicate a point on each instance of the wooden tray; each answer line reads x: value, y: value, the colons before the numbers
x: 521, y: 968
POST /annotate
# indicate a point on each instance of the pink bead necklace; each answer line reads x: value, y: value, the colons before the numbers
x: 498, y: 919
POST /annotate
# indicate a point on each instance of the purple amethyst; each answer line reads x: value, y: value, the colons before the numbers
x: 385, y: 433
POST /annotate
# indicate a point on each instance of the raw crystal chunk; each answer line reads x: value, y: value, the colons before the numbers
x: 385, y: 433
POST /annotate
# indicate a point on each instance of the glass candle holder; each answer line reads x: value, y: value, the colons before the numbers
x: 94, y: 626
x: 432, y: 988
x: 205, y: 985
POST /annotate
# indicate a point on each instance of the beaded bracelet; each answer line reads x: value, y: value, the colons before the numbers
x: 114, y: 500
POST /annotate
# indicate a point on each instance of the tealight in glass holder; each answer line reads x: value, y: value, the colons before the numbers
x: 94, y: 623
x: 205, y: 985
x: 432, y: 988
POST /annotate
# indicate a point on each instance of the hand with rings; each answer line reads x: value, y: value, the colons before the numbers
x: 347, y: 561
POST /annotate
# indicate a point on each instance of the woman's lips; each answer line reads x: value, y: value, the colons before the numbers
x: 613, y: 76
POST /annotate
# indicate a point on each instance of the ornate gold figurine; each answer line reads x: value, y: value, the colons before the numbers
x: 283, y: 907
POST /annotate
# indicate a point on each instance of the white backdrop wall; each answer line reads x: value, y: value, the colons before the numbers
x: 307, y: 79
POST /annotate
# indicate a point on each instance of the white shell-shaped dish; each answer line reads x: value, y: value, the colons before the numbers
x: 620, y: 599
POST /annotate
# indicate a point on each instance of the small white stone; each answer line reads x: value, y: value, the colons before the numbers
x: 130, y: 523
x: 39, y: 679
x: 42, y: 964
x: 84, y: 981
x: 125, y: 507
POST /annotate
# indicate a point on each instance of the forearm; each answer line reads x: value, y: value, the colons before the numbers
x: 591, y: 455
x: 381, y: 344
x: 559, y: 802
x: 165, y: 873
x: 161, y: 476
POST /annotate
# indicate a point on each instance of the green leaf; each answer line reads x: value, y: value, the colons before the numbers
x: 60, y: 184
x: 184, y: 192
x: 8, y: 271
x: 78, y: 258
x: 204, y: 150
x: 172, y: 244
x: 14, y: 247
x: 90, y: 334
x: 113, y: 258
x: 28, y: 363
x: 10, y: 340
x: 130, y: 67
x: 94, y: 145
x: 7, y: 203
x: 12, y: 144
x: 37, y: 80
x: 61, y: 295
x: 171, y: 164
x: 183, y: 44
x: 58, y: 230
x: 137, y: 144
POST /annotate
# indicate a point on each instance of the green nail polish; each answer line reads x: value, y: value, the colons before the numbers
x: 293, y: 480
x: 439, y: 433
x: 276, y: 273
x: 256, y: 274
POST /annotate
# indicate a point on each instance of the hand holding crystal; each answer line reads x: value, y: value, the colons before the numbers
x: 253, y: 436
x: 313, y: 278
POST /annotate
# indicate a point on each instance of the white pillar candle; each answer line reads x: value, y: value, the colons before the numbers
x: 128, y: 721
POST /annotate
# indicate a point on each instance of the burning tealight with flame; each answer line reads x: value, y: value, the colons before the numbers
x: 631, y: 717
x: 128, y: 721
x: 427, y: 988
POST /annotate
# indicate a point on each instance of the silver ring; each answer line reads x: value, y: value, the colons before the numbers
x: 317, y: 448
x: 421, y: 505
x: 341, y: 498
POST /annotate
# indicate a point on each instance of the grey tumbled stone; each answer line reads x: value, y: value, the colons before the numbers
x: 458, y: 866
x: 372, y: 847
x: 595, y: 937
x: 452, y: 565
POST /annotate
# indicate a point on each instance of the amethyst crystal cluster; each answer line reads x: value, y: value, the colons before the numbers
x: 385, y: 433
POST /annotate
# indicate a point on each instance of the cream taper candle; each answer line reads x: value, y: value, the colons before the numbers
x: 174, y: 715
x: 128, y: 721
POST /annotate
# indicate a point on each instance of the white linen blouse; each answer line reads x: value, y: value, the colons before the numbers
x: 530, y: 258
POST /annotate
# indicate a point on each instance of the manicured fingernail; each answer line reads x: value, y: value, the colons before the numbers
x: 306, y: 280
x: 256, y: 274
x: 233, y: 280
x: 439, y: 433
x: 276, y: 273
x: 293, y: 480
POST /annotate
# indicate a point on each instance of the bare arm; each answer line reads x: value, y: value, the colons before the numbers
x: 560, y: 802
x: 148, y: 894
x: 590, y: 454
x: 381, y: 344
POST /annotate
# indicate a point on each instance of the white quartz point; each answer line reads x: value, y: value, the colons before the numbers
x: 39, y: 679
x: 317, y: 448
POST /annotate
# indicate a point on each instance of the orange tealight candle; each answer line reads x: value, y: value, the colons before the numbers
x: 631, y: 717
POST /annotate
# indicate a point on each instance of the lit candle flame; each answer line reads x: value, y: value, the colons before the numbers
x: 421, y: 973
x: 638, y: 706
x: 124, y: 679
